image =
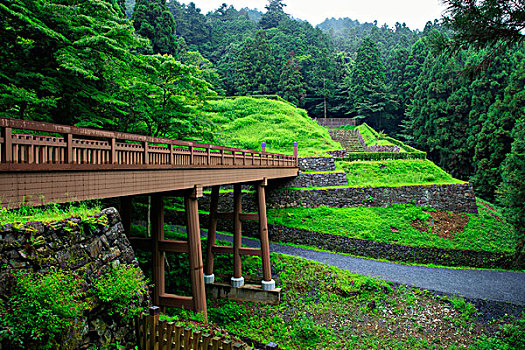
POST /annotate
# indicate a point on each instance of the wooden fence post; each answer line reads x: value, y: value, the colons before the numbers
x: 113, y: 152
x: 7, y: 151
x: 146, y: 153
x: 295, y: 152
x: 69, y: 149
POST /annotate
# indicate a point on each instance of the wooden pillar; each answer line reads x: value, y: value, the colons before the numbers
x: 268, y: 283
x: 7, y: 150
x: 69, y: 149
x: 157, y: 235
x: 113, y: 152
x: 209, y: 277
x: 295, y: 153
x: 195, y: 254
x: 237, y: 279
x: 125, y: 213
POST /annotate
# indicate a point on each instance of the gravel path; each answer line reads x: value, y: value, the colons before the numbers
x: 494, y: 286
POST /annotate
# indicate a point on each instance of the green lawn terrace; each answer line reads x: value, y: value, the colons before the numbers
x: 393, y: 173
x: 405, y: 224
x: 245, y: 122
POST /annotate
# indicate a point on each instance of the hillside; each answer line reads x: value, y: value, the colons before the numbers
x: 245, y: 122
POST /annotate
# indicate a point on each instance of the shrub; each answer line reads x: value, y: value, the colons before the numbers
x: 121, y: 290
x: 42, y: 311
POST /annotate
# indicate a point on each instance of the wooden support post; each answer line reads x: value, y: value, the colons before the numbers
x: 209, y: 277
x: 146, y: 153
x: 295, y: 153
x: 125, y: 213
x: 222, y: 157
x: 191, y: 155
x: 267, y: 283
x: 208, y: 154
x: 113, y: 154
x: 157, y: 235
x: 194, y: 241
x: 172, y: 158
x: 69, y: 148
x: 237, y: 279
x: 7, y: 149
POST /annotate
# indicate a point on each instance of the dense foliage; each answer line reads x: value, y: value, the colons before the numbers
x: 83, y: 62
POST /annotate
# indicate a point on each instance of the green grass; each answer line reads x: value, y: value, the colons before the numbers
x: 245, y: 122
x: 324, y: 307
x: 53, y: 212
x: 483, y: 232
x: 401, y: 172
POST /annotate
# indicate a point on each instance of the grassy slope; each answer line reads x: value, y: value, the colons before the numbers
x: 395, y: 173
x: 49, y: 213
x: 394, y: 225
x: 323, y: 307
x: 246, y: 122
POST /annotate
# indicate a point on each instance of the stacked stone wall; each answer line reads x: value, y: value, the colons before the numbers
x: 316, y: 164
x: 73, y: 244
x: 456, y: 198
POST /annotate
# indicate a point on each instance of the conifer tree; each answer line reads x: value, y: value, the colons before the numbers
x: 153, y: 20
x: 368, y: 95
x: 273, y: 15
x: 256, y: 70
x: 291, y: 83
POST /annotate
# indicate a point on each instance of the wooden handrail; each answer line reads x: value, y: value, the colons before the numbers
x: 102, y: 148
x: 73, y: 130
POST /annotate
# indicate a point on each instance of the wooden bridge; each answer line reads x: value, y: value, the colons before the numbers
x: 43, y: 163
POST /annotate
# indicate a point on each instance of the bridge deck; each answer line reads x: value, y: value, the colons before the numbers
x: 63, y: 163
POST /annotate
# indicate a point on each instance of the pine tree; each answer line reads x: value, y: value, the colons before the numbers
x: 511, y: 192
x: 273, y: 15
x: 368, y: 95
x: 256, y: 70
x: 153, y: 20
x: 291, y: 83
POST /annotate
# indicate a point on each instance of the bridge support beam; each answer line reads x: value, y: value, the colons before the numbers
x: 237, y: 279
x: 209, y: 277
x: 195, y: 254
x: 157, y: 235
x: 268, y: 283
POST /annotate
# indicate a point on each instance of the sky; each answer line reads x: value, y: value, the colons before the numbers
x: 415, y: 13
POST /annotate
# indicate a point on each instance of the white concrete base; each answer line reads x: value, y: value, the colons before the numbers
x: 237, y: 282
x: 268, y: 285
x: 208, y: 279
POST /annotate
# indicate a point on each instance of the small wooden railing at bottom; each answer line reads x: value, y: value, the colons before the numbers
x: 155, y: 334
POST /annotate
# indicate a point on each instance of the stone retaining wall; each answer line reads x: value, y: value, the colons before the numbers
x: 317, y: 180
x: 317, y: 164
x: 73, y: 244
x: 455, y: 198
x: 361, y: 247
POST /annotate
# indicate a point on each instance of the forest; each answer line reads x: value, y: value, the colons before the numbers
x: 150, y: 67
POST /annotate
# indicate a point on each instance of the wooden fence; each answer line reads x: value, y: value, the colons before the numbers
x: 155, y: 334
x: 88, y: 148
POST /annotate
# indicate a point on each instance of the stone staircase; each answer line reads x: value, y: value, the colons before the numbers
x: 349, y: 140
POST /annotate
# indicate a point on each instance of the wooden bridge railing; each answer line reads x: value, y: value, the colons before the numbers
x: 82, y: 148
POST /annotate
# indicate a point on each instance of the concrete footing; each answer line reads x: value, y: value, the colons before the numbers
x: 248, y: 292
x: 237, y: 282
x: 268, y: 285
x: 209, y: 278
